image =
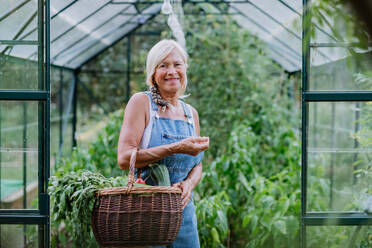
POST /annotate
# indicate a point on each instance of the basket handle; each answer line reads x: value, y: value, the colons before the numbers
x: 132, y: 164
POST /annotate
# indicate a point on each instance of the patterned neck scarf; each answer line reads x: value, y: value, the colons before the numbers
x: 156, y: 97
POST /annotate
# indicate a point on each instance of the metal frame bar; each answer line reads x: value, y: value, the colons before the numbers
x: 21, y: 95
x: 128, y: 66
x: 304, y: 124
x: 18, y: 211
x: 355, y: 220
x: 19, y: 42
x: 185, y: 13
x: 340, y: 96
x: 60, y: 103
x: 110, y: 72
x: 336, y: 44
x: 24, y: 219
x: 74, y: 111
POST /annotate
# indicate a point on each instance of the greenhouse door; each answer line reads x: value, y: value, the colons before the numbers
x: 24, y: 123
x: 336, y: 187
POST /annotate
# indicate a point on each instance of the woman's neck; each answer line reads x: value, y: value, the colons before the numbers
x: 170, y: 97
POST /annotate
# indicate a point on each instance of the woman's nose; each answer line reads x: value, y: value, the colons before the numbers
x: 171, y: 70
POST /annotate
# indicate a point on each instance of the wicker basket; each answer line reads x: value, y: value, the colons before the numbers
x: 137, y: 216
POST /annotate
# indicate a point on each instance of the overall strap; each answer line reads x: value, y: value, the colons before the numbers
x: 188, y: 113
x: 148, y: 129
x: 153, y: 105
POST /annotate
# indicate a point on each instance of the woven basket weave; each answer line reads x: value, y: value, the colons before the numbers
x: 137, y: 216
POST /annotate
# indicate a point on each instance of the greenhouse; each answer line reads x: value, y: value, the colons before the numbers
x: 282, y: 88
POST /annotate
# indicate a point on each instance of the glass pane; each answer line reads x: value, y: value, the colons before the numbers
x: 61, y: 115
x: 19, y: 236
x: 16, y: 73
x: 339, y: 236
x: 337, y: 68
x: 20, y: 51
x: 334, y: 21
x: 19, y: 155
x: 108, y: 39
x: 281, y: 35
x: 339, y: 156
x: 21, y: 16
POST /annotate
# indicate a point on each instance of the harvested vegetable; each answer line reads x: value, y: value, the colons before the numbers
x: 140, y: 181
x: 159, y: 174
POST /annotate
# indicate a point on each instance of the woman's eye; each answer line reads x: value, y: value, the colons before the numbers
x: 161, y: 66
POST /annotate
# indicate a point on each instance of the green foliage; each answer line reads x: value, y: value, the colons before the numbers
x: 260, y: 174
x: 103, y: 151
x: 213, y: 223
x: 230, y: 77
x: 101, y: 154
x: 73, y: 196
x: 78, y: 177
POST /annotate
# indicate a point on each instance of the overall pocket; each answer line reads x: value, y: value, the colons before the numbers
x: 179, y: 164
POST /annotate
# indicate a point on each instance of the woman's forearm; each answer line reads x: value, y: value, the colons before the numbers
x: 195, y: 175
x: 191, y: 146
x: 147, y: 156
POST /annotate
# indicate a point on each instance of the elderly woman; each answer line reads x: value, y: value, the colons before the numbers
x: 166, y: 131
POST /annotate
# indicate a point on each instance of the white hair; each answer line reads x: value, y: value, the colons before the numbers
x: 157, y: 54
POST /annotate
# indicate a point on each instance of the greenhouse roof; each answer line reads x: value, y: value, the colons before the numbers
x: 81, y: 29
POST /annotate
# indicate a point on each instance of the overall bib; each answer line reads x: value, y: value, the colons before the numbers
x: 162, y: 131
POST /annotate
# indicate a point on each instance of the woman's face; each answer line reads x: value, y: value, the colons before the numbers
x: 170, y: 74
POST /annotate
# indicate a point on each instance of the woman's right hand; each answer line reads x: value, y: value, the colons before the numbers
x: 193, y: 145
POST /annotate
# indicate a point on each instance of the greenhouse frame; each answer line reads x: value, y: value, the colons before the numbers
x: 39, y: 36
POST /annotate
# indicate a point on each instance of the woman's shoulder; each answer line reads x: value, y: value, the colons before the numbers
x: 139, y: 97
x: 193, y: 110
x: 138, y: 100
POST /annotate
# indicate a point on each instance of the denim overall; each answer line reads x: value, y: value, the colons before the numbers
x: 166, y: 131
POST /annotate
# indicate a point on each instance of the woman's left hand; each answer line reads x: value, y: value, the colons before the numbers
x: 186, y: 187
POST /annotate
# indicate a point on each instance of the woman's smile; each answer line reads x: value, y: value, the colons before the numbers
x: 172, y: 80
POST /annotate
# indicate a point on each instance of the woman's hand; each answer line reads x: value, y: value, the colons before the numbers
x: 186, y: 187
x: 193, y: 145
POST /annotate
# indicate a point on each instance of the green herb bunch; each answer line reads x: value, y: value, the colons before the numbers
x: 73, y: 197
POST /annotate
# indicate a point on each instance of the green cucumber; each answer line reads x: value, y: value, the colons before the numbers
x: 159, y: 175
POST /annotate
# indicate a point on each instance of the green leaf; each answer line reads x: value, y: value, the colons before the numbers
x: 254, y: 221
x: 281, y: 226
x: 246, y: 220
x: 243, y: 180
x: 215, y: 236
